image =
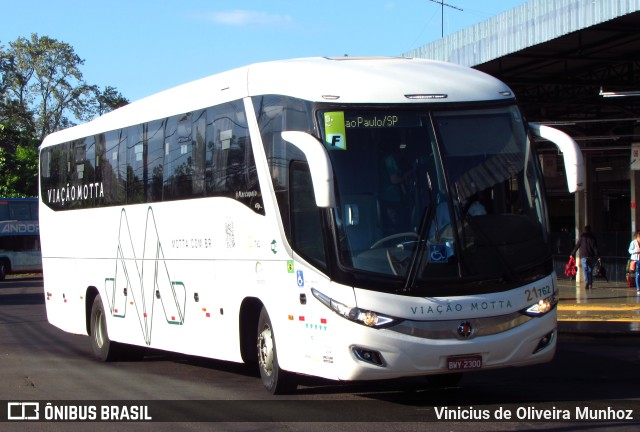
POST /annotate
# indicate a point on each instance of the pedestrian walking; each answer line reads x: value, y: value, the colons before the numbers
x: 587, y: 247
x: 634, y: 251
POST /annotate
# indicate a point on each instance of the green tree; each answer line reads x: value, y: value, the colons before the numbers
x: 42, y: 90
x: 43, y: 76
x: 108, y: 99
x: 18, y: 164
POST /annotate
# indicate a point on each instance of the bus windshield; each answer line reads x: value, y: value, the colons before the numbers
x: 429, y: 195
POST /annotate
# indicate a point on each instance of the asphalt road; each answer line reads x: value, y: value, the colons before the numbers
x: 39, y: 362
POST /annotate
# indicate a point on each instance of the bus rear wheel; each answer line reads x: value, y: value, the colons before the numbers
x: 3, y: 269
x: 103, y: 348
x: 275, y: 380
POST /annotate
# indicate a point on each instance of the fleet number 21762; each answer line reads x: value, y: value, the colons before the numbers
x: 537, y: 293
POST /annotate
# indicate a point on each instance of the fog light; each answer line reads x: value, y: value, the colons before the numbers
x: 545, y: 342
x: 368, y: 356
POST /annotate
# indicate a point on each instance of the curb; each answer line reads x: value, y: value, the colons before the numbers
x: 598, y: 307
x: 600, y: 328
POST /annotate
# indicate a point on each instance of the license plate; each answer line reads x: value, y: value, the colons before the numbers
x: 464, y: 362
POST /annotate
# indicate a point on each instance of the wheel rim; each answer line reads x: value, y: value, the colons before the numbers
x: 265, y: 349
x: 98, y: 329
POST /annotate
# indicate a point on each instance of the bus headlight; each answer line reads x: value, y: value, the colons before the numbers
x: 361, y: 316
x: 543, y: 306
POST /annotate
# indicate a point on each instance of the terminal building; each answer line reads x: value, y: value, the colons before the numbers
x: 573, y: 65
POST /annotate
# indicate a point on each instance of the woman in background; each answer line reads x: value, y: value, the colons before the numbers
x: 634, y: 251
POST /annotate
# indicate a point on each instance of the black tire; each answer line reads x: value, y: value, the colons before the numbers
x: 274, y: 379
x: 103, y: 348
x: 3, y: 270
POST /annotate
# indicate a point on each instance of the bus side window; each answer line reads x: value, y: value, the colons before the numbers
x: 276, y: 114
x: 59, y: 165
x: 19, y: 211
x: 34, y: 210
x: 89, y: 162
x: 4, y: 210
x: 74, y: 171
x: 230, y: 166
x: 118, y: 153
x: 270, y: 113
x: 198, y: 144
x: 306, y: 217
x: 222, y: 152
x: 136, y: 159
x: 107, y: 166
x: 154, y: 138
x: 178, y: 158
x: 45, y: 173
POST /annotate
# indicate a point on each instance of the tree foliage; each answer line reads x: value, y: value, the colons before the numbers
x: 18, y: 167
x: 42, y: 90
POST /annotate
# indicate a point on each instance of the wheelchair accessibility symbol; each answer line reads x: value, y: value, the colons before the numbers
x: 300, y: 278
x: 437, y: 253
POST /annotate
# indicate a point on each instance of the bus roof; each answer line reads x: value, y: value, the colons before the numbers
x: 370, y: 80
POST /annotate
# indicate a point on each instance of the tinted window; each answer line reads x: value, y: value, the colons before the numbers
x: 155, y: 160
x: 230, y: 165
x: 136, y: 158
x: 306, y: 218
x: 201, y: 153
x: 276, y: 114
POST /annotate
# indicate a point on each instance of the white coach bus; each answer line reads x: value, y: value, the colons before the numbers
x: 346, y: 218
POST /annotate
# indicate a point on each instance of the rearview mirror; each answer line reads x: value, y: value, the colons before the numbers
x: 319, y: 165
x: 573, y: 163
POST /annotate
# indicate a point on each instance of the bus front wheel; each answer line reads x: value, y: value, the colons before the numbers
x: 275, y: 380
x: 103, y: 348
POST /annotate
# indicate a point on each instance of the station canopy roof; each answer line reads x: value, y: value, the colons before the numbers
x: 573, y: 64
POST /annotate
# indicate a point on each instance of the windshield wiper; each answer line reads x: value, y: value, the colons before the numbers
x: 427, y: 216
x: 419, y: 251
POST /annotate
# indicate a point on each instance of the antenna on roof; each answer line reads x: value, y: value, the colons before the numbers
x: 442, y: 5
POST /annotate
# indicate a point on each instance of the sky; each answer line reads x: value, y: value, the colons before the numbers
x: 141, y: 47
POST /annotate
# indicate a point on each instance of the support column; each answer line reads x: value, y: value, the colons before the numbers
x: 634, y: 180
x: 581, y: 200
x: 634, y: 187
x: 581, y: 221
